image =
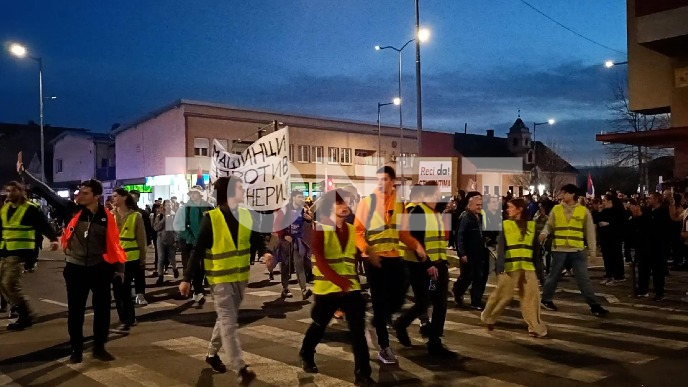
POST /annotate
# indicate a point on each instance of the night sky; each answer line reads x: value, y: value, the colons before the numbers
x: 112, y: 62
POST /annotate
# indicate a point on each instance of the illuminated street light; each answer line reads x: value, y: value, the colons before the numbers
x: 423, y: 35
x: 610, y: 63
x: 17, y: 50
x: 396, y: 101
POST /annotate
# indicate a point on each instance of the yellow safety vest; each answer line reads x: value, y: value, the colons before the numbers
x: 127, y: 238
x: 484, y: 217
x: 228, y: 261
x: 383, y: 236
x: 409, y: 255
x: 341, y: 259
x: 16, y: 236
x: 569, y: 234
x: 435, y: 244
x: 519, y: 249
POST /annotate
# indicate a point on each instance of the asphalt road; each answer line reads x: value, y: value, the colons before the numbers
x: 641, y: 343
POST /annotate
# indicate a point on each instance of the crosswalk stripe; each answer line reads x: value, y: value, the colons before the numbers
x: 124, y: 376
x: 267, y: 370
x: 525, y: 362
x: 405, y: 364
x: 617, y: 321
x: 568, y: 346
x: 591, y: 332
x: 631, y: 311
x: 7, y: 381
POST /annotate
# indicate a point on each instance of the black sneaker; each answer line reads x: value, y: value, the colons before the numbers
x: 598, y: 311
x: 658, y: 298
x: 439, y: 350
x: 549, y: 305
x: 308, y: 362
x: 402, y: 334
x: 216, y: 364
x: 306, y: 294
x: 271, y: 277
x: 100, y: 353
x: 160, y: 281
x: 424, y: 329
x: 76, y: 357
x: 364, y: 381
x: 479, y: 308
x: 121, y: 328
x: 20, y: 324
x: 246, y: 376
x: 176, y: 273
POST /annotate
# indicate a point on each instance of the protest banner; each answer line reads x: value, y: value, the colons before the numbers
x: 439, y: 171
x: 263, y: 168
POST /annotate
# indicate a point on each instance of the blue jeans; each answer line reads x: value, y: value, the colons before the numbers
x: 579, y: 263
x: 166, y: 254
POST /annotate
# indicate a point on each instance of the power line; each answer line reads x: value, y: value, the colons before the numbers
x: 572, y: 31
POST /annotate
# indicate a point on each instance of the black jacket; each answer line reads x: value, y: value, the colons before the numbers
x: 470, y: 240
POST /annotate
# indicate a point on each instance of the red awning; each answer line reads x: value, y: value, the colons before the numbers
x: 661, y: 138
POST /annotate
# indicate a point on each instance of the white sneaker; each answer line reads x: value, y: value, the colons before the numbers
x: 141, y: 300
x: 199, y: 298
x: 605, y: 281
x: 386, y: 356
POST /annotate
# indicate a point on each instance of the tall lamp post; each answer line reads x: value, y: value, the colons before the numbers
x: 395, y: 101
x: 20, y: 51
x: 551, y: 121
x: 421, y: 37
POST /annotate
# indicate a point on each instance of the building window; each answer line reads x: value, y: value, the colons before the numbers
x: 496, y: 190
x: 317, y: 154
x: 291, y: 153
x: 58, y: 166
x: 201, y: 146
x: 527, y: 142
x: 304, y: 154
x: 530, y: 157
x: 515, y: 142
x: 346, y: 156
x: 486, y: 190
x: 511, y: 189
x: 224, y: 143
x: 332, y: 155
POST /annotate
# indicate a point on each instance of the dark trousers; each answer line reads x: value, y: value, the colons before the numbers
x: 80, y: 281
x: 155, y: 248
x: 197, y: 280
x: 612, y: 255
x: 655, y: 266
x: 474, y: 274
x: 353, y: 304
x: 122, y: 291
x: 424, y: 297
x: 140, y: 276
x: 387, y: 293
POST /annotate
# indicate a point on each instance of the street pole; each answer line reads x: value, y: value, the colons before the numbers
x: 401, y: 129
x: 40, y: 95
x: 419, y: 109
x: 379, y: 146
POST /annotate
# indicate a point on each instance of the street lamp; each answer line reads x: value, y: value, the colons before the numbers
x: 20, y: 51
x: 395, y: 101
x: 551, y: 121
x: 422, y: 35
x: 610, y: 63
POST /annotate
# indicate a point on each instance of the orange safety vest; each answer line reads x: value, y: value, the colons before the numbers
x: 114, y: 252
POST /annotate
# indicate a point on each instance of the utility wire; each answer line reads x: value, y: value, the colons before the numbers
x: 570, y: 30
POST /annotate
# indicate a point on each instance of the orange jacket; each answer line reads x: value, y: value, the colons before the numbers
x: 114, y: 252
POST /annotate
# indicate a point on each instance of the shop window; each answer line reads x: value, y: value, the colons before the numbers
x: 317, y: 154
x: 201, y: 146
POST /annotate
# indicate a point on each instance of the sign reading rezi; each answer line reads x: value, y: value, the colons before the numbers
x: 439, y: 171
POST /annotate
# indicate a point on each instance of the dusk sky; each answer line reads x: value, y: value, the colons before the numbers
x: 113, y: 62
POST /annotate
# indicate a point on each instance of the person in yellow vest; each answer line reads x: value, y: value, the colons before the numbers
x: 572, y: 226
x: 336, y: 285
x: 20, y: 223
x: 132, y: 237
x: 226, y: 236
x: 515, y: 268
x: 377, y: 224
x: 410, y: 259
x: 429, y: 275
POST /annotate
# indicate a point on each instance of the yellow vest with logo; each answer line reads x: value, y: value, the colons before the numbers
x: 409, y: 255
x: 341, y: 259
x: 127, y: 238
x: 518, y: 254
x: 383, y: 236
x: 16, y: 236
x: 569, y: 234
x: 435, y: 244
x: 229, y: 260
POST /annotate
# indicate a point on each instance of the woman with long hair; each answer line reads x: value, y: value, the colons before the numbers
x: 514, y: 267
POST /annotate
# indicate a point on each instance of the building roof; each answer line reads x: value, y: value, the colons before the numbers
x: 666, y: 138
x: 476, y: 145
x: 519, y: 127
x: 95, y: 137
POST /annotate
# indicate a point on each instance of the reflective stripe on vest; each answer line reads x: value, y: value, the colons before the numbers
x: 382, y: 236
x: 518, y: 254
x: 341, y: 260
x: 16, y: 236
x: 228, y: 261
x: 569, y: 234
x: 409, y: 255
x: 435, y: 245
x: 127, y: 238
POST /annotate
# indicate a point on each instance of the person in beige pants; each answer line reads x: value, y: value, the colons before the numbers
x: 514, y: 267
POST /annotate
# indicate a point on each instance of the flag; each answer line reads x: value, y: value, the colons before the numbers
x: 591, y: 188
x: 199, y: 178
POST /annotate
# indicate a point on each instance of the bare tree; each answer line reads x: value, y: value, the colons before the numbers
x: 551, y: 168
x: 624, y: 121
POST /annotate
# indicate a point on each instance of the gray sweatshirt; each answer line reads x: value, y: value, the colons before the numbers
x: 588, y: 229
